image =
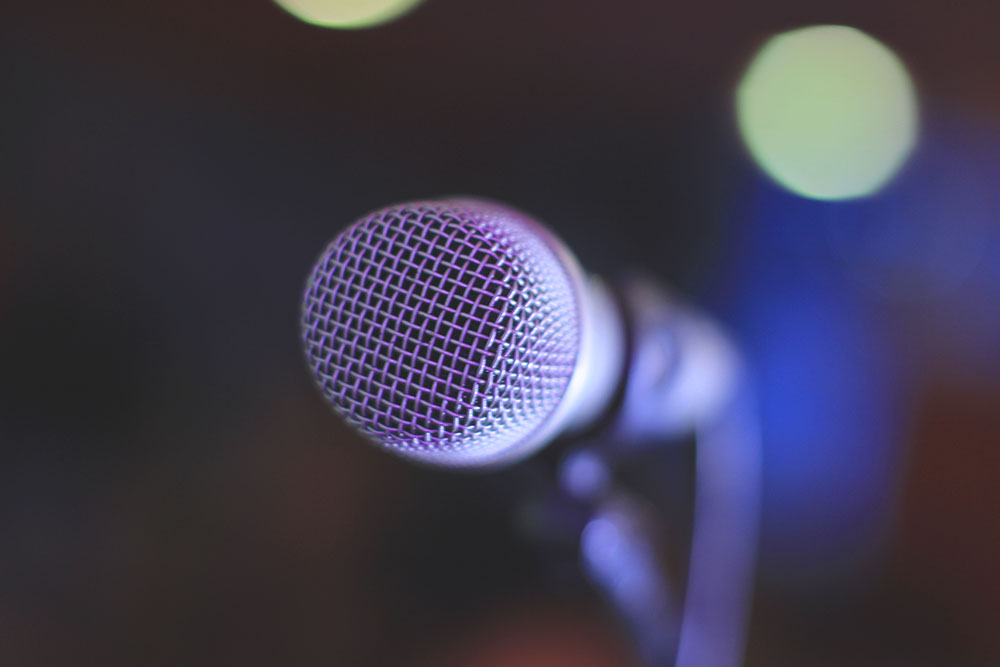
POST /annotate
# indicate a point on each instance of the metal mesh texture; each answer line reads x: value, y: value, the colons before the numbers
x: 442, y: 329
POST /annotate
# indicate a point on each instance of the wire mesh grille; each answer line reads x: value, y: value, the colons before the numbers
x: 442, y: 328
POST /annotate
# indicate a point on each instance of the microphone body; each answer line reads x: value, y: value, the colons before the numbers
x: 462, y: 333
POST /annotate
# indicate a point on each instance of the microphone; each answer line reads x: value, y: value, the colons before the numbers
x: 459, y: 333
x: 462, y: 333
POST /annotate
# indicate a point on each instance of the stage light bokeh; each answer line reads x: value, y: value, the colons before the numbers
x: 347, y: 14
x: 828, y: 112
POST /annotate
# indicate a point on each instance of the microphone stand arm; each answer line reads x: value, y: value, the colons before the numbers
x: 683, y: 377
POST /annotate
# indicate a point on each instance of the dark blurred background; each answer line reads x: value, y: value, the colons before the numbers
x: 174, y: 491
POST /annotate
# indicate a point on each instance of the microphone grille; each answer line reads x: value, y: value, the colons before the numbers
x: 446, y: 331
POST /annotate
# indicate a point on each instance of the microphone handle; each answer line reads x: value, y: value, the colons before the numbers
x: 683, y: 377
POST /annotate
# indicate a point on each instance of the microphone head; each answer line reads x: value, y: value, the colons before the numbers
x: 446, y: 331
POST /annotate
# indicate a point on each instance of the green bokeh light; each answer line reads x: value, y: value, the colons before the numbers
x: 827, y: 111
x: 347, y: 14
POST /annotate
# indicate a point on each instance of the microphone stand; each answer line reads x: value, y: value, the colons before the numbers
x: 684, y: 377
